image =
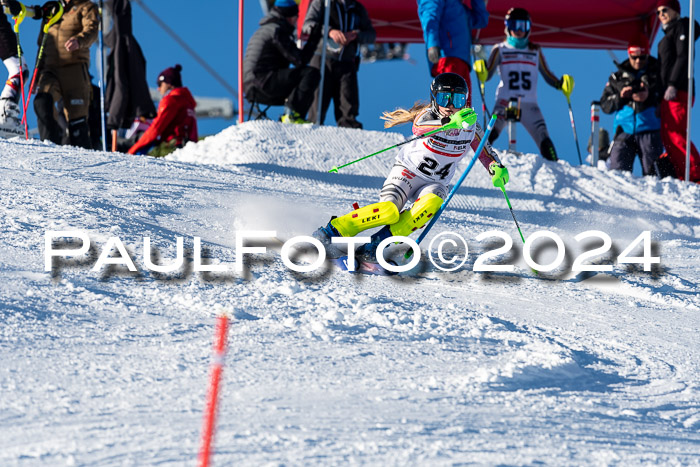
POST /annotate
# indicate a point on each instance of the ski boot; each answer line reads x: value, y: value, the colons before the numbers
x: 10, y: 124
x: 324, y: 235
x: 291, y: 116
x: 367, y: 253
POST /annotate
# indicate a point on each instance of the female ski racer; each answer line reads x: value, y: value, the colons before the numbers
x: 518, y: 61
x: 422, y: 170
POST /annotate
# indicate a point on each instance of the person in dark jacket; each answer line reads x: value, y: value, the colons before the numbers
x: 127, y: 96
x: 267, y: 58
x: 349, y: 27
x: 176, y: 119
x: 633, y: 93
x: 673, y: 58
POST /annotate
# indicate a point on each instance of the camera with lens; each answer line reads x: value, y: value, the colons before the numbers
x: 639, y: 85
x: 636, y: 85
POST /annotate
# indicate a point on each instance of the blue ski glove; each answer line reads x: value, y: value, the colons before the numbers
x: 500, y: 174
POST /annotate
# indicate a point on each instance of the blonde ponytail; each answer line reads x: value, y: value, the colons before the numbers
x: 399, y: 116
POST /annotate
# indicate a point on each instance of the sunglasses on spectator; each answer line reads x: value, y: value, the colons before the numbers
x: 521, y: 25
x: 662, y: 11
x: 638, y: 57
x: 457, y: 99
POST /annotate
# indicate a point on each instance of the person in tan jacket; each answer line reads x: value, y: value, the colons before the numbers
x: 64, y: 90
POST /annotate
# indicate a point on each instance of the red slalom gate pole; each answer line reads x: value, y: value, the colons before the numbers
x: 217, y: 367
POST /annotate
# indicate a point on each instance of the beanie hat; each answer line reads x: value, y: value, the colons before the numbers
x: 638, y: 46
x: 171, y: 76
x: 287, y: 8
x: 672, y: 4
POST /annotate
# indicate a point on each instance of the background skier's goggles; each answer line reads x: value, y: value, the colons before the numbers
x: 457, y: 99
x: 518, y: 25
x: 661, y: 11
x: 638, y: 57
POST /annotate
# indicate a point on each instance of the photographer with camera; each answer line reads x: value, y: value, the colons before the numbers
x: 633, y: 93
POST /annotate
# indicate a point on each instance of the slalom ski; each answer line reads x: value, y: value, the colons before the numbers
x: 362, y: 267
x: 10, y: 131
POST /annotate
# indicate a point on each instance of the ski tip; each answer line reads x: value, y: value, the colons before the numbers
x: 334, y: 170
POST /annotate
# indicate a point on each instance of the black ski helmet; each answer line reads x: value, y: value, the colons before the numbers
x: 446, y: 82
x: 515, y: 14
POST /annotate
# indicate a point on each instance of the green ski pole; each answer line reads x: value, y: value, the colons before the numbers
x: 465, y: 117
x: 513, y: 214
x: 522, y: 237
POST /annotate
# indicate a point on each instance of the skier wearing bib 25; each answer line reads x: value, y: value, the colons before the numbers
x: 422, y: 170
x: 518, y: 61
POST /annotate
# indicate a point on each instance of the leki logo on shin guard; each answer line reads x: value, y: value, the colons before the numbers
x: 371, y: 218
x: 420, y: 216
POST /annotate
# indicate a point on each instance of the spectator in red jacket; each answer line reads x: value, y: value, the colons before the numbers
x: 176, y: 118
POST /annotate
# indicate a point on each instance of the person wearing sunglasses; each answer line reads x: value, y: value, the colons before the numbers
x: 673, y: 58
x: 518, y: 62
x: 632, y: 93
x: 422, y: 170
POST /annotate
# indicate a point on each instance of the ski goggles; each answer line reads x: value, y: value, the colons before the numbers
x: 518, y: 25
x: 457, y: 99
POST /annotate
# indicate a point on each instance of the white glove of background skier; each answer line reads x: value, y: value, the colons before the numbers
x: 434, y: 54
x: 670, y: 93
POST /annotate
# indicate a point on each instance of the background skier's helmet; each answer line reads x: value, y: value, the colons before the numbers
x: 446, y: 89
x: 518, y: 19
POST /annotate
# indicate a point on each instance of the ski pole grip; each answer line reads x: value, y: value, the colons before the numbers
x: 54, y: 19
x: 567, y: 85
x: 20, y: 17
x: 481, y: 72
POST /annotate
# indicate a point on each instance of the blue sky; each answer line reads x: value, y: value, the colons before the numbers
x: 212, y: 31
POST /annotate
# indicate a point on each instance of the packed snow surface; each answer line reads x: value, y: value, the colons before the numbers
x: 111, y: 366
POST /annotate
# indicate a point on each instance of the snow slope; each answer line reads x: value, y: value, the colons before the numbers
x: 430, y: 367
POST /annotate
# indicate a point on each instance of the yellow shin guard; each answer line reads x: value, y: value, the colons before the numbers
x: 367, y: 217
x: 420, y: 213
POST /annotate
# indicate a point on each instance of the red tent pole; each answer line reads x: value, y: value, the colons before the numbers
x: 240, y: 61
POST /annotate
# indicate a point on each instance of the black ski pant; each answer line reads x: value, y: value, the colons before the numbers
x: 625, y: 148
x: 340, y: 84
x: 8, y: 39
x: 297, y: 85
x: 49, y: 129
